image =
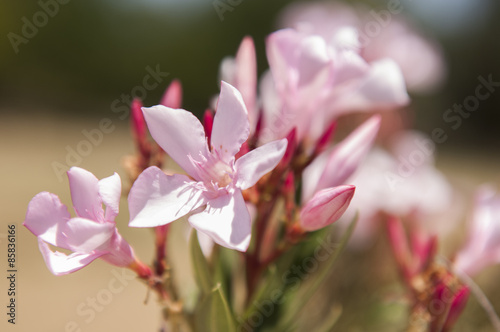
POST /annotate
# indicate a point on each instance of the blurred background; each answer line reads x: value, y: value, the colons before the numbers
x: 63, y: 72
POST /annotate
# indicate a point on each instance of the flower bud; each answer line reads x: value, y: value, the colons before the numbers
x: 326, y: 207
x: 173, y: 95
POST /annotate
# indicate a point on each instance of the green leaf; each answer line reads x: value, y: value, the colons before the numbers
x: 272, y: 283
x: 200, y: 265
x: 214, y: 314
x: 300, y: 296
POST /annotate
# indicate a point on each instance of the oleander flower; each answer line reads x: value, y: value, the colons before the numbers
x: 212, y: 190
x: 91, y: 234
x: 314, y: 80
x: 381, y: 34
x: 402, y: 181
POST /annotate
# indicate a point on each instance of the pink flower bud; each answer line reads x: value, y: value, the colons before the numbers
x: 326, y: 207
x: 173, y: 95
x: 138, y: 122
x: 208, y: 122
x: 457, y: 306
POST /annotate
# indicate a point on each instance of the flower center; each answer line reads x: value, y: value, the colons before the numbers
x: 213, y: 172
x: 222, y: 174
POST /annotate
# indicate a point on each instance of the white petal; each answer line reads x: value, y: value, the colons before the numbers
x: 110, y: 190
x: 84, y: 188
x: 45, y: 217
x: 258, y: 162
x: 231, y: 126
x: 226, y: 220
x: 158, y: 199
x: 179, y: 133
x: 60, y: 263
x: 85, y: 235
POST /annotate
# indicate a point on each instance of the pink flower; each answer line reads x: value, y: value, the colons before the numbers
x: 420, y: 58
x: 483, y: 246
x: 314, y: 80
x: 212, y: 193
x: 91, y: 234
x: 326, y: 207
x: 402, y: 182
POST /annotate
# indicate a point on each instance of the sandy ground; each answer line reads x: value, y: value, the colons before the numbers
x: 29, y: 146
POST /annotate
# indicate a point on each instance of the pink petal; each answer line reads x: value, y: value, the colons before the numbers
x: 483, y: 245
x: 347, y: 155
x: 60, y: 263
x: 281, y: 49
x: 326, y: 207
x: 179, y: 133
x: 273, y: 126
x: 206, y: 243
x: 258, y: 162
x: 158, y: 199
x: 226, y: 220
x: 120, y: 251
x: 45, y: 217
x: 383, y: 87
x: 85, y: 235
x: 246, y: 76
x: 173, y: 95
x: 312, y: 174
x: 110, y: 190
x: 231, y: 127
x: 297, y: 60
x: 84, y: 187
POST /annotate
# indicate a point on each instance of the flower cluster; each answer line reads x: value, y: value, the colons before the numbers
x: 264, y: 173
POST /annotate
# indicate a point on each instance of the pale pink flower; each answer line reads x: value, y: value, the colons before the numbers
x: 326, y: 207
x: 315, y: 80
x: 403, y: 182
x: 483, y: 245
x: 91, y: 234
x: 212, y: 192
x: 380, y: 35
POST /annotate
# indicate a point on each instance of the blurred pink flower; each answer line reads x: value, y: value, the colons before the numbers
x: 402, y: 182
x: 381, y: 34
x: 91, y: 234
x: 483, y: 245
x: 326, y: 207
x: 314, y: 80
x: 213, y: 191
